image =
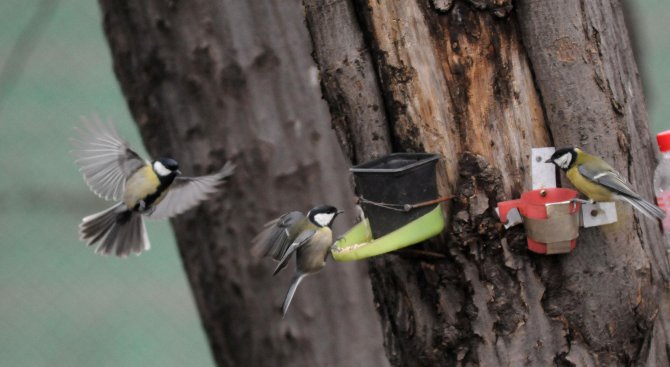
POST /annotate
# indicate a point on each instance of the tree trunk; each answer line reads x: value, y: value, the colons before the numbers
x: 211, y: 81
x: 481, y: 83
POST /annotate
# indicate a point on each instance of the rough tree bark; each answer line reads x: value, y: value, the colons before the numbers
x: 481, y: 82
x: 210, y: 81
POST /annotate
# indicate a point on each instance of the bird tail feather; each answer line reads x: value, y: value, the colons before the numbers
x: 116, y: 230
x: 648, y: 209
x: 295, y: 281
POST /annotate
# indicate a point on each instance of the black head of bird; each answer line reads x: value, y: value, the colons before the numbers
x: 563, y: 158
x: 323, y: 215
x: 166, y: 167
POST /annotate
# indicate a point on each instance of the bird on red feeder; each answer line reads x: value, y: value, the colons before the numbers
x: 599, y: 181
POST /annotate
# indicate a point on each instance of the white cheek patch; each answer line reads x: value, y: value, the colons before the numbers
x: 160, y: 169
x: 564, y: 160
x: 323, y: 219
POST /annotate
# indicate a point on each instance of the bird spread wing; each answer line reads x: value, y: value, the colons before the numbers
x: 301, y: 240
x: 186, y: 192
x: 104, y: 158
x: 610, y: 179
x: 277, y: 236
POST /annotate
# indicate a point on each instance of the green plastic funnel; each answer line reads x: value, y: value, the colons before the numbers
x: 358, y: 243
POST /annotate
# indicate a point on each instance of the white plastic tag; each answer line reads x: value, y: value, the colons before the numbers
x: 544, y: 174
x: 513, y: 217
x: 598, y: 214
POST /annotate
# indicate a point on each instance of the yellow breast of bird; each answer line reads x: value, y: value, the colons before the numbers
x: 313, y: 254
x: 593, y: 191
x: 141, y: 184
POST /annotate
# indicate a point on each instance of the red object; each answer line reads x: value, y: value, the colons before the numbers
x: 663, y: 139
x: 532, y: 205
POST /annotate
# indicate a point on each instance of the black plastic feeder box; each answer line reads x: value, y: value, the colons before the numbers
x: 387, y: 185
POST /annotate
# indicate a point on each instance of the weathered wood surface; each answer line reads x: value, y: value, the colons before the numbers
x: 211, y: 81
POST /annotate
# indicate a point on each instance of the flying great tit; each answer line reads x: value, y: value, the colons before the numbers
x: 309, y: 237
x: 599, y: 181
x: 113, y: 171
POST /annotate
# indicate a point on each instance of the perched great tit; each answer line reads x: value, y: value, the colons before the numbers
x: 113, y: 171
x: 309, y: 237
x: 599, y: 181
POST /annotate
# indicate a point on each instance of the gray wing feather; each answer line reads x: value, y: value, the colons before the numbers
x: 610, y: 179
x: 277, y: 235
x: 613, y: 180
x: 187, y: 192
x: 301, y: 240
x: 104, y: 158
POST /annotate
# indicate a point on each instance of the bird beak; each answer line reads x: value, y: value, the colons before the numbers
x: 549, y: 161
x: 178, y: 172
x: 339, y: 212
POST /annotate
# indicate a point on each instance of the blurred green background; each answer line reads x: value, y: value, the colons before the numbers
x: 60, y: 304
x: 652, y: 27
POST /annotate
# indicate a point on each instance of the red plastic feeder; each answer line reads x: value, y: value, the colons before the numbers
x: 550, y: 217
